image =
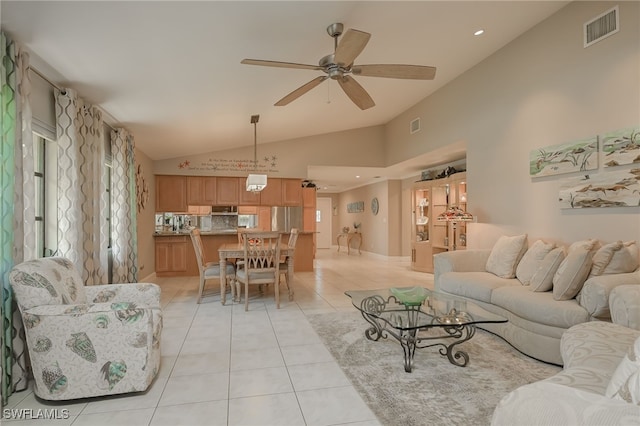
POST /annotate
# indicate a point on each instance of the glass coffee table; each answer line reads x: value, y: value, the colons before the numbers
x: 420, y: 318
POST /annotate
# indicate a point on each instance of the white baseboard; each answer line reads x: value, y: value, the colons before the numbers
x: 376, y: 255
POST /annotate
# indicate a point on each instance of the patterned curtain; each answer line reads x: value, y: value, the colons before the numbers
x: 123, y: 206
x: 83, y: 231
x: 17, y: 213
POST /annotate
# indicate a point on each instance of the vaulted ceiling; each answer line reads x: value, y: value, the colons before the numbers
x: 170, y: 71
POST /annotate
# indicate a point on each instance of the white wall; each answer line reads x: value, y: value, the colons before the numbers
x: 542, y: 89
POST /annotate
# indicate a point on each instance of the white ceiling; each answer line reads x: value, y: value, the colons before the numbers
x: 170, y: 71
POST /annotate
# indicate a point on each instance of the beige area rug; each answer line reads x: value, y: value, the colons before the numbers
x: 435, y: 392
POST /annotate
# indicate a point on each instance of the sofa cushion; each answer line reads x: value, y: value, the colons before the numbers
x: 542, y: 280
x: 574, y: 270
x: 505, y: 255
x: 474, y: 285
x: 539, y: 307
x: 531, y: 260
x: 625, y: 382
x: 615, y: 258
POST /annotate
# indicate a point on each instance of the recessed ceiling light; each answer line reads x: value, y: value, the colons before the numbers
x: 479, y: 32
x: 357, y: 176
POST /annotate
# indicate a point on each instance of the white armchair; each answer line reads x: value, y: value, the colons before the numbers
x: 86, y: 341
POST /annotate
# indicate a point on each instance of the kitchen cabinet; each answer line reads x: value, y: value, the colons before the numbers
x: 429, y: 235
x: 248, y: 210
x: 421, y: 250
x: 247, y: 198
x: 171, y: 254
x: 264, y: 218
x: 199, y: 210
x: 201, y: 190
x: 271, y: 195
x: 227, y: 191
x: 309, y: 209
x: 171, y: 193
x: 291, y: 192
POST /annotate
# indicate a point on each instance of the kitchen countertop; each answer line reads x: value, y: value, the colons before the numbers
x: 204, y: 233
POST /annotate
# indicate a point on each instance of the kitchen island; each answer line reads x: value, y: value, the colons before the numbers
x: 175, y: 257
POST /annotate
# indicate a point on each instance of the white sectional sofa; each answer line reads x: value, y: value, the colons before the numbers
x: 537, y: 319
x: 600, y: 382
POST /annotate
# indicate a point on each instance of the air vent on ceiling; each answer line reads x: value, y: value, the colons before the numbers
x: 414, y: 126
x: 602, y: 26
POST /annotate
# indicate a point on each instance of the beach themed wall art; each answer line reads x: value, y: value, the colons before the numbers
x: 610, y: 189
x: 621, y: 147
x: 357, y: 207
x: 568, y: 157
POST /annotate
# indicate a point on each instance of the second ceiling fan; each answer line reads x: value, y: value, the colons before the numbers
x: 339, y: 65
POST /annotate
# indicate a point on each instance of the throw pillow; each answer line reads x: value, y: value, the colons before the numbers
x: 531, y: 260
x: 574, y: 270
x: 625, y: 382
x: 505, y: 255
x: 542, y: 280
x: 615, y: 258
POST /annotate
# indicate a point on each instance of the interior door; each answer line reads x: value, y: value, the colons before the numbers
x: 323, y: 223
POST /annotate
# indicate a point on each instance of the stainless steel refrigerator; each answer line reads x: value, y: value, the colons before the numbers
x: 285, y: 218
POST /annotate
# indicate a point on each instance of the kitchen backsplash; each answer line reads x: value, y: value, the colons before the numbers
x: 171, y: 222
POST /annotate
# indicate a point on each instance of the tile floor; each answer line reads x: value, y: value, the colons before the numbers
x: 224, y: 366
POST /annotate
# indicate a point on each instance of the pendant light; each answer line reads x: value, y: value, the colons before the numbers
x: 255, y: 182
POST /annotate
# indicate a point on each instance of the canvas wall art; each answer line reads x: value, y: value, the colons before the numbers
x: 610, y: 189
x: 621, y: 147
x: 356, y: 207
x: 568, y: 157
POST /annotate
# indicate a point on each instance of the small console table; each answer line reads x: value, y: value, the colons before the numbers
x: 349, y: 236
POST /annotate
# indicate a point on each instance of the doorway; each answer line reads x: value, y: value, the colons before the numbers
x: 323, y: 223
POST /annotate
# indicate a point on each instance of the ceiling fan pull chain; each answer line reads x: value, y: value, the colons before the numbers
x: 329, y: 92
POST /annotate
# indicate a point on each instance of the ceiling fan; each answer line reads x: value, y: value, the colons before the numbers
x: 339, y: 64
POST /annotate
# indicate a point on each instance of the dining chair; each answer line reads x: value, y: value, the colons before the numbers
x: 261, y: 264
x: 211, y: 270
x: 284, y: 265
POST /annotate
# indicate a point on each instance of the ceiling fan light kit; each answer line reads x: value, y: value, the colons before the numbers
x: 339, y: 65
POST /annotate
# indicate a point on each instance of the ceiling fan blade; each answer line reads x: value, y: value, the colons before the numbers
x: 350, y: 46
x: 300, y: 91
x: 412, y: 72
x: 280, y: 64
x: 356, y: 93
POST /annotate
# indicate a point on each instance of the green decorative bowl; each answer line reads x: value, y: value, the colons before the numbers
x: 413, y: 296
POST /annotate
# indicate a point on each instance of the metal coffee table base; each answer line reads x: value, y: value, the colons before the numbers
x: 410, y: 340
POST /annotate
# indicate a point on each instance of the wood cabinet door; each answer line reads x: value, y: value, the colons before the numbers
x: 171, y: 193
x: 291, y: 192
x: 423, y: 257
x: 248, y: 210
x: 195, y: 190
x: 179, y: 257
x: 309, y: 219
x: 163, y: 257
x: 227, y: 191
x: 309, y: 197
x: 247, y: 198
x: 171, y: 256
x: 264, y: 218
x: 209, y: 190
x: 271, y: 195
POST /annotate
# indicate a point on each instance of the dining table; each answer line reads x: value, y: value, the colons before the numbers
x: 232, y: 251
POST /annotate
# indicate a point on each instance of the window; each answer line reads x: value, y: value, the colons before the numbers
x: 46, y: 200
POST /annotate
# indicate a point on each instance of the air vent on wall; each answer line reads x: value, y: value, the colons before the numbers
x: 602, y: 26
x: 414, y: 126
